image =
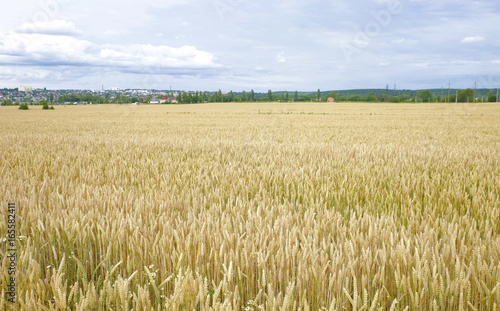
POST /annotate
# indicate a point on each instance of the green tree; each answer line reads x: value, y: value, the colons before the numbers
x: 371, y: 97
x: 296, y: 96
x: 269, y: 95
x: 23, y: 107
x: 52, y: 98
x: 318, y: 95
x: 252, y: 95
x: 219, y: 96
x: 354, y: 98
x: 45, y: 105
x: 466, y: 96
x: 492, y: 97
x: 394, y: 99
x: 425, y: 95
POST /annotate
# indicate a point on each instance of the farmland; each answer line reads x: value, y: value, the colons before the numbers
x: 253, y: 206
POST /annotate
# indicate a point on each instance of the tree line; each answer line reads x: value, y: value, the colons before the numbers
x: 220, y: 97
x: 468, y: 95
x: 460, y: 96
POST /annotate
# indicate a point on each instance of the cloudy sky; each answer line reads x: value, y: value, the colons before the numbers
x: 242, y: 45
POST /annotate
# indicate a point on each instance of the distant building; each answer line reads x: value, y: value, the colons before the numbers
x: 141, y: 92
x: 155, y: 101
x: 331, y: 100
x: 25, y: 89
x: 172, y: 100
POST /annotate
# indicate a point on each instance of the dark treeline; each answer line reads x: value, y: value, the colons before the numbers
x: 97, y: 99
x: 375, y: 95
x: 361, y: 95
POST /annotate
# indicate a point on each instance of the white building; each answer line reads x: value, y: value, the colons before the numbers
x: 25, y: 89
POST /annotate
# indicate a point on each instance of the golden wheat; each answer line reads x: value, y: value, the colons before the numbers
x: 253, y: 207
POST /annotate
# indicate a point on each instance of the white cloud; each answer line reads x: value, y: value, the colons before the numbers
x: 157, y: 56
x: 54, y: 50
x: 24, y: 74
x: 496, y: 61
x: 54, y: 27
x: 38, y: 74
x: 6, y: 71
x: 465, y: 62
x: 472, y: 39
x: 421, y: 65
x: 43, y: 49
x: 361, y: 42
x: 281, y: 57
x: 110, y: 33
x: 405, y: 41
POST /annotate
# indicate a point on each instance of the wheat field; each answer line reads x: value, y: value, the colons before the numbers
x: 253, y: 207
